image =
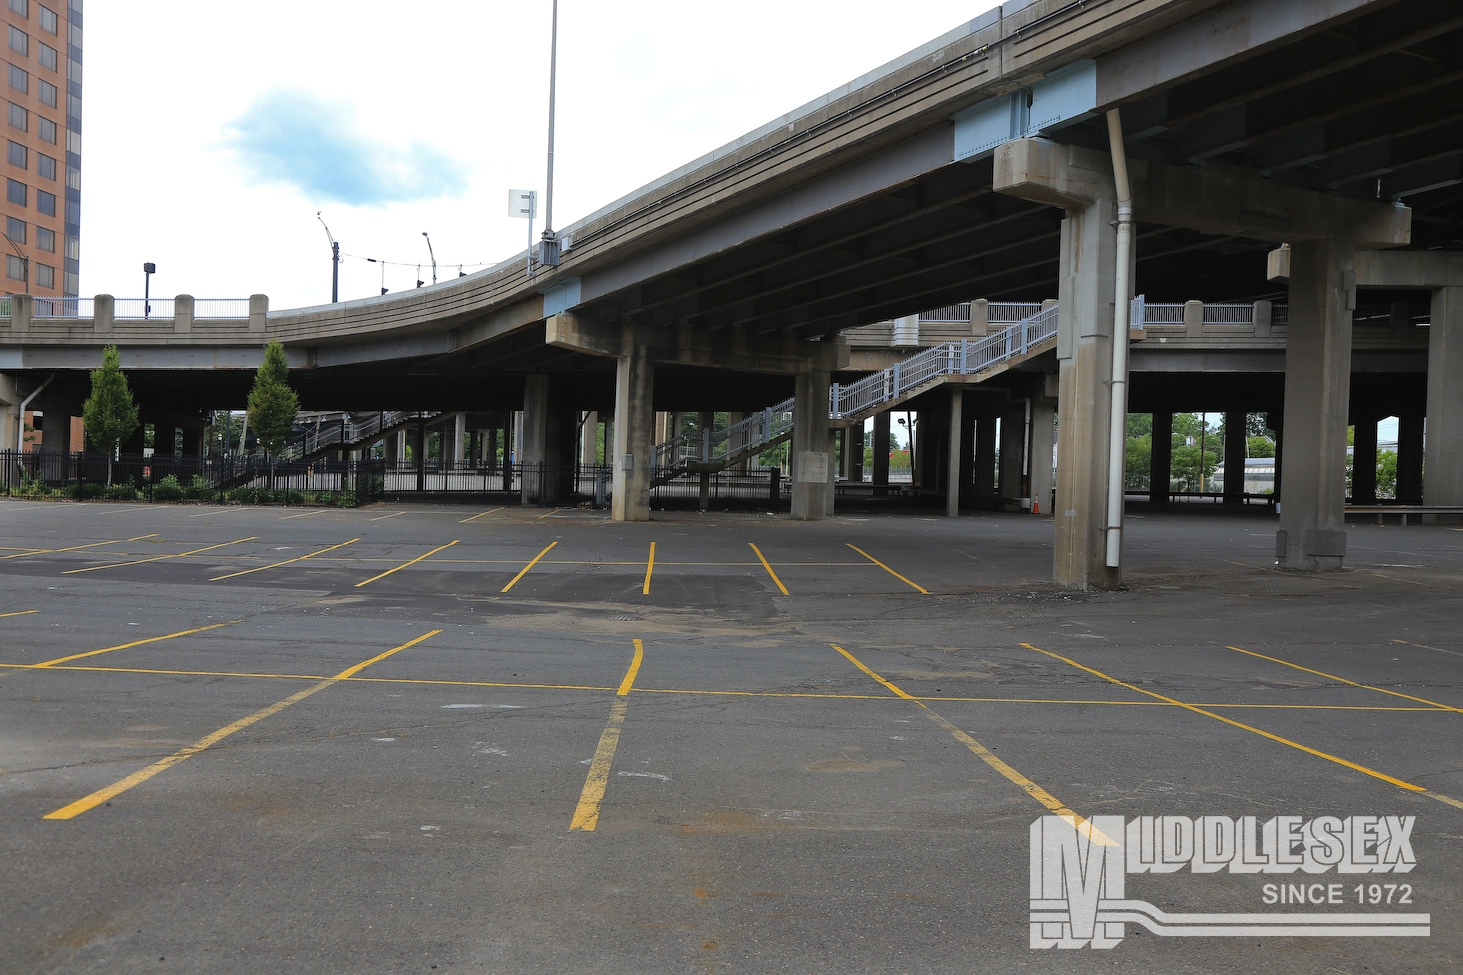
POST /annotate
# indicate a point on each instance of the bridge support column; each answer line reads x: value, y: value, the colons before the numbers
x: 1084, y: 358
x: 1013, y: 451
x: 10, y: 418
x: 633, y: 461
x: 1363, y: 461
x: 1444, y: 484
x: 811, y: 472
x: 1410, y: 457
x: 985, y: 458
x: 454, y: 439
x: 705, y: 421
x: 1043, y: 442
x: 1160, y: 459
x: 549, y: 441
x: 881, y: 449
x: 589, y: 453
x: 959, y: 447
x: 1312, y: 531
x: 1235, y: 447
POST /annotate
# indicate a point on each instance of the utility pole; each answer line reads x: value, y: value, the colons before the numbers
x: 148, y: 270
x: 550, y: 250
x: 433, y: 255
x: 334, y: 260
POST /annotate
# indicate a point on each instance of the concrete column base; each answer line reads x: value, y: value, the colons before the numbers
x: 633, y: 461
x: 811, y: 471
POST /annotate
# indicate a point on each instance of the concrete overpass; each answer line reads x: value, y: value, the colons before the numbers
x: 976, y: 165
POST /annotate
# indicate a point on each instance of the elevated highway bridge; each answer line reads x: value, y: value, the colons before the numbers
x: 977, y: 165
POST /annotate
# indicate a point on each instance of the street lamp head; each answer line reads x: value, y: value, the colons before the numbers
x: 149, y: 268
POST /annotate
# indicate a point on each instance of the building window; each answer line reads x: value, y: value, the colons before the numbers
x: 45, y: 273
x: 48, y: 21
x: 21, y: 7
x: 15, y: 192
x: 45, y: 166
x: 15, y: 229
x: 73, y: 178
x: 73, y: 34
x: 46, y: 129
x: 14, y: 268
x: 18, y: 155
x: 73, y: 284
x: 46, y: 240
x: 19, y: 118
x: 46, y: 203
x: 73, y: 70
x: 48, y: 56
x: 19, y: 41
x: 20, y: 79
x: 46, y: 92
x: 73, y: 141
x: 73, y: 249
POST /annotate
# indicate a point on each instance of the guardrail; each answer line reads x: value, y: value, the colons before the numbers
x: 138, y: 309
x: 744, y: 436
x: 51, y: 307
x: 220, y: 309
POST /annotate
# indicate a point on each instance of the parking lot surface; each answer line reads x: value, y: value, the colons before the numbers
x: 399, y: 739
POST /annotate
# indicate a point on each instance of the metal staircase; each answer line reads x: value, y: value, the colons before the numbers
x: 351, y: 431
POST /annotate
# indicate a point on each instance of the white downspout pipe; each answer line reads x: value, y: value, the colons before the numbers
x: 1122, y: 299
x: 20, y: 414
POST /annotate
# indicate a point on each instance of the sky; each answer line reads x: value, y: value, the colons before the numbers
x: 213, y: 133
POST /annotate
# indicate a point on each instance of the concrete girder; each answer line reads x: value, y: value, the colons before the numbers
x: 1209, y: 202
x: 690, y: 347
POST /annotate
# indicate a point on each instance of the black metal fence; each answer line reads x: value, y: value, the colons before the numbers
x: 755, y: 489
x: 218, y: 480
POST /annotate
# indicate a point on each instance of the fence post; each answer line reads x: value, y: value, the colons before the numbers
x: 182, y: 314
x: 774, y: 490
x: 894, y: 381
x: 20, y: 312
x: 258, y: 313
x: 833, y: 401
x: 964, y: 356
x: 104, y: 312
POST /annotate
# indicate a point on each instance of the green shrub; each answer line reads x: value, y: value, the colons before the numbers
x: 89, y: 491
x: 199, y: 489
x: 168, y: 489
x: 121, y: 492
x: 345, y: 499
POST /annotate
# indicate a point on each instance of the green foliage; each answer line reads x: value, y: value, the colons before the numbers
x: 122, y: 492
x: 109, y: 413
x: 1387, y: 474
x: 1140, y: 462
x: 272, y: 404
x: 199, y: 489
x: 1259, y: 446
x: 1140, y: 425
x: 168, y: 489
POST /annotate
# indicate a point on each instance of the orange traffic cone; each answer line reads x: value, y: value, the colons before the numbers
x: 1035, y: 506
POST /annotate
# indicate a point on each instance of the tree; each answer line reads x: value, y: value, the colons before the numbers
x: 272, y: 404
x: 109, y: 412
x: 1259, y: 446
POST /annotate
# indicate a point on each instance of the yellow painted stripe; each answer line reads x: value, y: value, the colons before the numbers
x: 384, y: 517
x: 159, y: 558
x: 543, y: 516
x: 586, y: 813
x: 480, y: 514
x: 524, y: 571
x: 1321, y: 673
x: 405, y: 564
x: 649, y: 568
x: 21, y: 612
x: 1238, y: 724
x: 629, y: 680
x: 134, y: 643
x: 305, y: 514
x: 276, y: 565
x: 77, y: 548
x: 887, y: 569
x: 142, y: 775
x: 376, y: 680
x: 763, y: 559
x: 1424, y: 646
x: 1036, y: 792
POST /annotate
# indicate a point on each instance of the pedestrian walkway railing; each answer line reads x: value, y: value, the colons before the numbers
x: 743, y: 439
x: 350, y: 430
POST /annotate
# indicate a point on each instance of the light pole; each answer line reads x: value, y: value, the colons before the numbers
x: 433, y: 255
x: 550, y: 250
x: 148, y: 270
x: 334, y: 260
x: 24, y: 263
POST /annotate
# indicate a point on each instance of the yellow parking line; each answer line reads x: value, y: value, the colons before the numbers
x: 305, y: 514
x: 554, y: 512
x: 76, y: 548
x: 586, y: 813
x: 1251, y: 728
x: 376, y: 680
x: 1424, y: 646
x: 475, y: 517
x: 21, y: 612
x: 524, y: 571
x: 159, y: 558
x: 763, y: 559
x: 137, y: 778
x: 384, y: 517
x: 886, y: 568
x: 1036, y: 792
x: 649, y: 568
x: 405, y: 564
x: 1321, y: 673
x: 134, y: 643
x: 285, y: 562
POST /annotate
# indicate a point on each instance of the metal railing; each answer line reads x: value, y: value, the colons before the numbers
x: 138, y: 309
x: 1229, y: 313
x: 947, y: 314
x: 708, y: 446
x: 350, y: 430
x: 220, y: 309
x: 952, y: 358
x: 1163, y: 313
x: 1013, y: 311
x: 50, y: 307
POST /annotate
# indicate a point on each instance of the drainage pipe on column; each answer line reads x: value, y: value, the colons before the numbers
x: 1122, y: 299
x: 20, y: 414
